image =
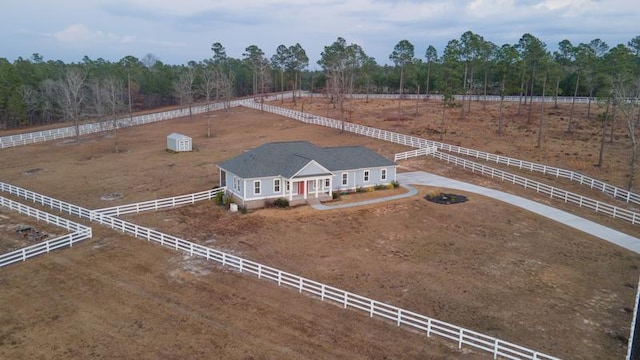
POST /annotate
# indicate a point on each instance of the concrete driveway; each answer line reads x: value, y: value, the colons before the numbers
x: 576, y: 222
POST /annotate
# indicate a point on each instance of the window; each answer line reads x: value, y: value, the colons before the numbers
x: 383, y: 174
x: 276, y: 185
x: 256, y: 187
x: 345, y: 179
x: 365, y: 176
x: 236, y: 184
x: 327, y: 183
x: 288, y: 186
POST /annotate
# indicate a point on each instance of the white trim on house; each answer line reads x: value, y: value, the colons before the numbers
x: 366, y: 176
x: 383, y: 174
x: 277, y: 186
x: 257, y: 187
x: 344, y: 179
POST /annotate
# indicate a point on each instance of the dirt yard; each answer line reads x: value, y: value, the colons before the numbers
x: 482, y: 264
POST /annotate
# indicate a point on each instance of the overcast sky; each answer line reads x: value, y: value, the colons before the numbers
x: 177, y: 31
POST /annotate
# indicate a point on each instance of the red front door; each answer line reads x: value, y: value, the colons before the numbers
x: 301, y: 188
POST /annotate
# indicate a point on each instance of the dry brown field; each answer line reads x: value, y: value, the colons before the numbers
x: 484, y: 265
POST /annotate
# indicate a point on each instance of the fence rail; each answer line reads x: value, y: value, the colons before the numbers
x: 415, y: 153
x: 70, y: 131
x: 79, y: 233
x: 345, y: 299
x: 46, y: 201
x: 399, y: 316
x: 154, y: 205
x: 556, y: 193
x: 412, y: 141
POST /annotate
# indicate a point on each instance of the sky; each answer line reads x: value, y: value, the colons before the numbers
x: 179, y: 31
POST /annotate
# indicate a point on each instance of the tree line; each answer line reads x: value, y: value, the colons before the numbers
x: 36, y: 92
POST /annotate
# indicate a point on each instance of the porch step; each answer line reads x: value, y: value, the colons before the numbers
x: 313, y: 201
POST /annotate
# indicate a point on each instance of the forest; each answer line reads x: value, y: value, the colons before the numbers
x: 38, y: 92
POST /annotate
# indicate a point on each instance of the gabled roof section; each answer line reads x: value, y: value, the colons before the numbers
x: 288, y: 158
x: 177, y: 136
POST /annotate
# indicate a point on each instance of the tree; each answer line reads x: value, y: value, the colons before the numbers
x: 506, y: 57
x: 71, y: 94
x: 149, y: 60
x: 129, y: 62
x: 279, y: 61
x: 532, y: 50
x: 113, y: 98
x: 297, y: 61
x: 206, y: 86
x: 402, y: 55
x: 254, y: 58
x: 431, y: 56
x: 184, y: 87
x: 334, y: 62
x: 625, y: 92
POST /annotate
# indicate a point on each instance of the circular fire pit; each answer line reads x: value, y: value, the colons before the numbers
x: 446, y: 199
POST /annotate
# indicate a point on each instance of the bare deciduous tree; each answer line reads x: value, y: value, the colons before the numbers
x: 71, y: 94
x: 184, y: 88
x: 112, y: 92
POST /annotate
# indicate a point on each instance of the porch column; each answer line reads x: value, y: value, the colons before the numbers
x: 316, y: 184
x: 306, y: 188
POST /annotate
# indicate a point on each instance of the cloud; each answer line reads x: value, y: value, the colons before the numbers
x: 80, y: 33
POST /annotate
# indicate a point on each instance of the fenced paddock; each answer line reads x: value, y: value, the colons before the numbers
x: 553, y: 192
x: 412, y: 141
x: 154, y: 205
x: 347, y: 300
x: 415, y: 142
x: 78, y: 233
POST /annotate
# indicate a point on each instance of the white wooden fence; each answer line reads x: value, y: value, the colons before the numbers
x: 492, y: 98
x: 415, y: 153
x: 46, y: 201
x: 47, y: 135
x: 539, y: 187
x: 70, y: 131
x: 79, y: 233
x: 165, y: 203
x: 345, y: 299
x: 412, y: 141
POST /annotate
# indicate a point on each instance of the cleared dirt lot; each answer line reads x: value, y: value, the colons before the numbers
x: 482, y: 264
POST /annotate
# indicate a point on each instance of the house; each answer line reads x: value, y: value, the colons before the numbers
x: 178, y: 142
x: 300, y: 171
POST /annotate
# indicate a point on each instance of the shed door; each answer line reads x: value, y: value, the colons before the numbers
x: 183, y: 145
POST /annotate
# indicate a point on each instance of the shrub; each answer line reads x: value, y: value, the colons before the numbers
x: 395, y: 184
x: 381, y: 187
x: 360, y: 189
x: 219, y: 198
x: 335, y: 195
x: 281, y: 203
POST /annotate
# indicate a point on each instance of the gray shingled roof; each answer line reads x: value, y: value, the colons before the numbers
x: 287, y: 158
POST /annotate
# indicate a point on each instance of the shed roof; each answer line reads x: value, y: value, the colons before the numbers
x: 177, y: 136
x: 287, y: 158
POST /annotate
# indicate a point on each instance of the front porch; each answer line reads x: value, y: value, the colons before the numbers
x: 300, y: 190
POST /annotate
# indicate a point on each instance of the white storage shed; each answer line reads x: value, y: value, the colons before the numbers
x: 179, y: 142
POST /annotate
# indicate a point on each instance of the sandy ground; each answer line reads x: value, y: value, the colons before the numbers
x: 484, y: 265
